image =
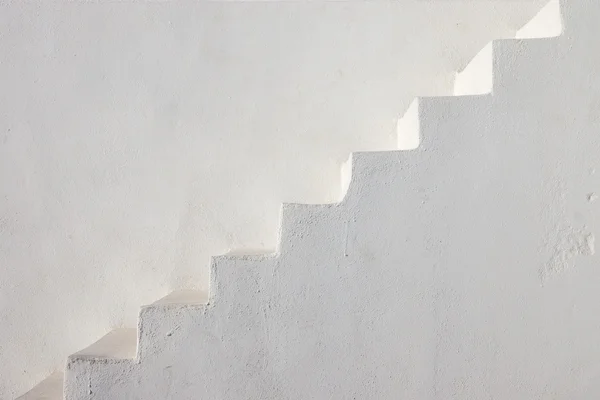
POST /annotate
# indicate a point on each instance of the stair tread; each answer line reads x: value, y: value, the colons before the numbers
x: 250, y: 252
x: 184, y: 297
x: 118, y: 344
x: 50, y: 388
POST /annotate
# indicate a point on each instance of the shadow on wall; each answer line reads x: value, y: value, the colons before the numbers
x: 137, y: 140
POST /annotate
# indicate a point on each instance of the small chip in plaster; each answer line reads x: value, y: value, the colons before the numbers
x: 572, y: 244
x: 590, y: 242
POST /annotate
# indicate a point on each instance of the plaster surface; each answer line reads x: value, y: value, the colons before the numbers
x: 137, y: 140
x: 463, y: 269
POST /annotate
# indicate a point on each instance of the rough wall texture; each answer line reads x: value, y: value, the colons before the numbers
x: 137, y: 140
x: 463, y: 269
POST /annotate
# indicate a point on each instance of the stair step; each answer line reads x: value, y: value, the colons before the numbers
x: 160, y: 320
x: 408, y: 129
x: 184, y: 297
x: 119, y: 344
x: 50, y: 388
x: 478, y: 76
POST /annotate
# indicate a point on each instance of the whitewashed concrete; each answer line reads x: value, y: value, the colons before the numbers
x: 137, y: 140
x: 463, y: 269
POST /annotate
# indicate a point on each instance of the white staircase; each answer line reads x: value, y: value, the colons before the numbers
x: 461, y: 269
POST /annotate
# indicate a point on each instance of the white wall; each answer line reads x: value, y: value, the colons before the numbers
x: 137, y: 140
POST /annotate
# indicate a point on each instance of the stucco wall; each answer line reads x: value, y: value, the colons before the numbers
x: 137, y: 140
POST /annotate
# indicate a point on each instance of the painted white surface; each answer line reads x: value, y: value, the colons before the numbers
x: 137, y: 140
x: 463, y: 269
